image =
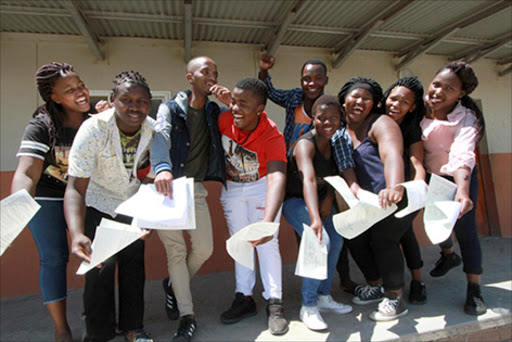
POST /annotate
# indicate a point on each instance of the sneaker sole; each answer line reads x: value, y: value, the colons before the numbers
x: 279, y: 333
x: 358, y: 301
x: 333, y: 311
x: 388, y: 318
x: 238, y: 319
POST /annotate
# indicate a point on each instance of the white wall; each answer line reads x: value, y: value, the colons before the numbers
x: 162, y: 63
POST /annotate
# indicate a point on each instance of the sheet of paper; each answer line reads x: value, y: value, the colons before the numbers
x: 362, y: 216
x: 441, y: 211
x: 312, y: 259
x: 156, y: 211
x: 341, y: 186
x: 239, y: 247
x: 16, y: 211
x: 416, y: 197
x: 110, y: 238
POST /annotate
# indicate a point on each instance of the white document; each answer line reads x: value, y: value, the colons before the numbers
x: 416, y: 197
x: 16, y: 212
x: 239, y: 247
x: 110, y: 238
x: 312, y: 259
x: 441, y: 211
x: 363, y: 213
x: 153, y: 210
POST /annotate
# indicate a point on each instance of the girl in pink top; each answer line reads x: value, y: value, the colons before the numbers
x: 452, y: 128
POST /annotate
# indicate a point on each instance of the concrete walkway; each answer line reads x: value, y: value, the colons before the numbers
x: 442, y: 318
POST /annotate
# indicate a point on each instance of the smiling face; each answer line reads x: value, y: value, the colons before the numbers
x: 358, y: 104
x: 327, y: 120
x: 132, y: 103
x: 71, y: 93
x: 444, y: 92
x: 313, y: 81
x: 400, y: 102
x: 246, y: 108
x: 202, y: 74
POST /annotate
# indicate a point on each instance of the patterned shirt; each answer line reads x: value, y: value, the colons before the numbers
x: 97, y: 154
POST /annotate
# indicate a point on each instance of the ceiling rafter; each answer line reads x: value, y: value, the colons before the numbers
x: 504, y: 61
x: 484, y: 50
x: 349, y: 45
x: 85, y: 29
x: 276, y: 39
x: 505, y: 71
x: 187, y: 29
x: 419, y: 49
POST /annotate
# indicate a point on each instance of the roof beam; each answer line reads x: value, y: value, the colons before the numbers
x: 425, y: 45
x: 504, y: 61
x: 187, y: 29
x: 484, y: 50
x: 276, y: 39
x: 83, y: 26
x: 505, y: 71
x: 349, y: 46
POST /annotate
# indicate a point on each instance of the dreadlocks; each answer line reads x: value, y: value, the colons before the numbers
x: 366, y: 83
x: 413, y: 84
x: 46, y: 76
x: 469, y: 83
x: 132, y: 77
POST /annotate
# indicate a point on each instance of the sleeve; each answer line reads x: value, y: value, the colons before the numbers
x: 342, y: 150
x: 275, y: 148
x: 36, y: 140
x: 412, y: 135
x: 278, y: 96
x: 85, y: 149
x: 462, y: 150
x: 161, y: 145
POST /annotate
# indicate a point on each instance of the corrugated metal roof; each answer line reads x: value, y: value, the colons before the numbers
x: 317, y: 23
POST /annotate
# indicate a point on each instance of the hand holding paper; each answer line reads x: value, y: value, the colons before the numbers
x: 363, y: 213
x: 239, y: 246
x: 416, y: 197
x: 441, y: 211
x: 110, y: 238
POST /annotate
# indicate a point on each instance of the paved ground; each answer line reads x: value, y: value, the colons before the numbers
x: 442, y: 318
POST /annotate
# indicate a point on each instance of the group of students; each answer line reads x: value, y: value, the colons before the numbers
x: 80, y: 167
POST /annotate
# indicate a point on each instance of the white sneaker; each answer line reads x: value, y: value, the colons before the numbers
x: 328, y: 305
x: 311, y: 317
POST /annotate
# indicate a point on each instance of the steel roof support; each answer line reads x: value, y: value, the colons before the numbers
x: 484, y: 50
x: 187, y: 29
x: 277, y: 38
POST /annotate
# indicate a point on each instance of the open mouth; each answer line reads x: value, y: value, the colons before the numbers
x: 82, y: 101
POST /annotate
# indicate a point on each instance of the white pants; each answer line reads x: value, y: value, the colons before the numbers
x: 244, y: 203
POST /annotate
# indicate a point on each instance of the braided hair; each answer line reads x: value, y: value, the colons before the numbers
x: 469, y: 83
x: 367, y: 83
x: 46, y: 76
x: 132, y: 77
x: 413, y: 84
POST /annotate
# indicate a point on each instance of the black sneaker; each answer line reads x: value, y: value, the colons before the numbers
x: 186, y: 329
x: 367, y: 294
x: 445, y: 263
x: 241, y: 308
x: 277, y: 324
x: 417, y: 293
x: 171, y: 305
x: 474, y: 305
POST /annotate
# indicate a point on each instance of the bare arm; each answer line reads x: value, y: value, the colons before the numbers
x: 462, y: 178
x: 74, y: 211
x: 416, y: 160
x: 350, y: 177
x: 304, y: 153
x: 27, y: 174
x: 386, y: 133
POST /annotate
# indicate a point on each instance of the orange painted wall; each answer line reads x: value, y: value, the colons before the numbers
x: 501, y: 166
x: 19, y: 266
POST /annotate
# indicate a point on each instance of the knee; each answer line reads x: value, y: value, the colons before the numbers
x: 204, y: 252
x: 54, y: 259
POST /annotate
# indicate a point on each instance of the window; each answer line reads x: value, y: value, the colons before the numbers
x: 158, y: 97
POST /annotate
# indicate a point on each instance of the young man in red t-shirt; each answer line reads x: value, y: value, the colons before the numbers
x: 255, y: 155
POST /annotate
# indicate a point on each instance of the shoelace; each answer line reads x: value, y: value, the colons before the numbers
x: 388, y: 306
x: 367, y: 291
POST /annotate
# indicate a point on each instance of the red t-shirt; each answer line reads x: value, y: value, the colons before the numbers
x: 247, y: 153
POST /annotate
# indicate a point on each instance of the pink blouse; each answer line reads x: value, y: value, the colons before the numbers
x: 450, y: 144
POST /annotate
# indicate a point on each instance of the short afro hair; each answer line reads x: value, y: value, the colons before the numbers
x: 256, y: 86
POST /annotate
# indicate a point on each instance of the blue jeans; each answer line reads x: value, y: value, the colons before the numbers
x: 296, y: 213
x: 48, y: 228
